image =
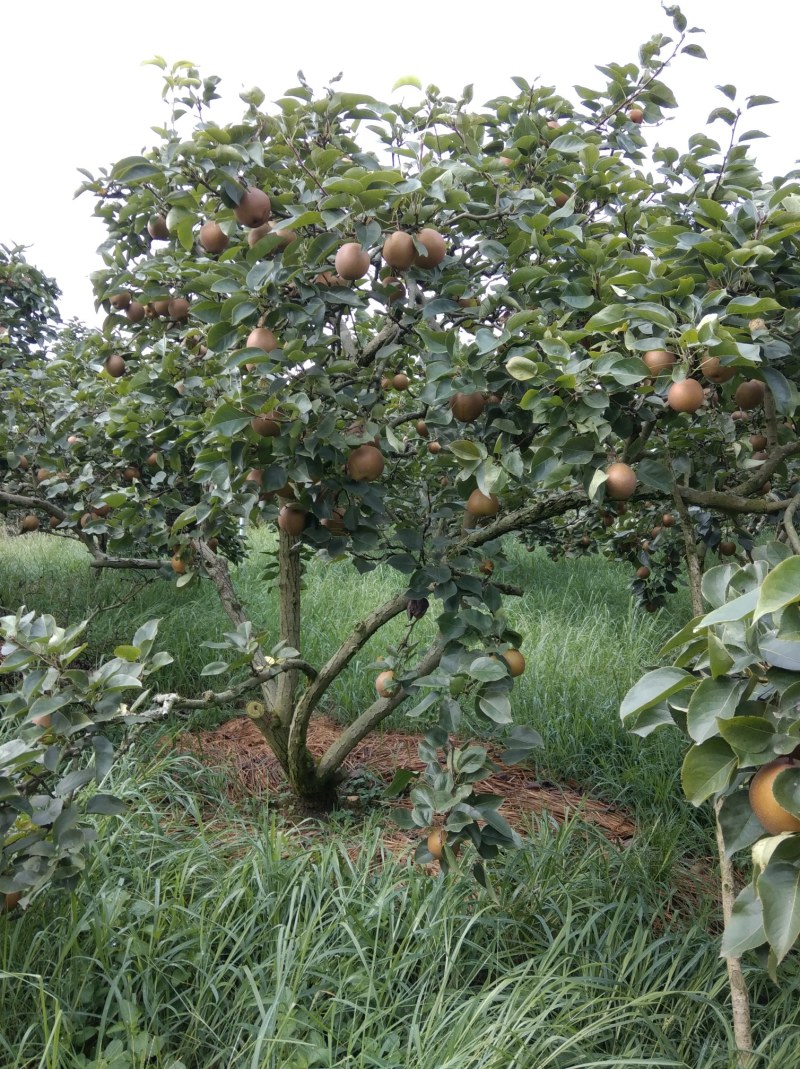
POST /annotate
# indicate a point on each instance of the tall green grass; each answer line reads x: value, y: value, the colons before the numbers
x: 200, y: 942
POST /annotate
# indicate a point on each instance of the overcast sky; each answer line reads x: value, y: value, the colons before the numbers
x: 75, y: 92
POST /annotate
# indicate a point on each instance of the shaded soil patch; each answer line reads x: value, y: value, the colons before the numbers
x: 239, y: 749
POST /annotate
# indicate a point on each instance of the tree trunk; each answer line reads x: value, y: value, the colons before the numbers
x: 740, y: 1002
x: 289, y: 578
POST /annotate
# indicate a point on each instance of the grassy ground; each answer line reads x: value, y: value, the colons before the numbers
x: 208, y: 938
x: 199, y: 942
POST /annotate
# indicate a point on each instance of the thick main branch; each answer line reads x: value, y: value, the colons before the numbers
x: 336, y: 664
x: 371, y: 717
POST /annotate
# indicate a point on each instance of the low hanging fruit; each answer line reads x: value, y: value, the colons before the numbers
x: 335, y: 523
x: 262, y: 338
x: 560, y: 198
x: 115, y: 365
x: 157, y: 228
x: 292, y: 520
x: 715, y: 371
x: 658, y: 360
x: 401, y: 381
x: 384, y: 684
x: 620, y: 481
x: 749, y: 395
x: 254, y: 208
x: 480, y: 504
x: 515, y: 662
x: 636, y: 115
x: 435, y: 844
x: 435, y: 246
x: 395, y: 290
x: 365, y: 463
x: 771, y: 814
x: 120, y: 301
x: 212, y: 237
x: 685, y: 396
x: 178, y: 309
x: 467, y: 406
x: 135, y: 312
x: 266, y: 425
x: 352, y: 261
x: 398, y: 250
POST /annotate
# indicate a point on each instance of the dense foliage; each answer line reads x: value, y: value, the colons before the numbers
x: 407, y: 330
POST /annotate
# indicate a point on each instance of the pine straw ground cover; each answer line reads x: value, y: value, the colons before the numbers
x: 238, y: 751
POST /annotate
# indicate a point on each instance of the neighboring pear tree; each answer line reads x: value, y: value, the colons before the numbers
x: 401, y: 332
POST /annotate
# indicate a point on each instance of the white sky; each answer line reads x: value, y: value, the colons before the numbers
x: 75, y: 93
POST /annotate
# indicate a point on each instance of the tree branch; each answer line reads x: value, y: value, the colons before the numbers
x: 225, y: 697
x: 371, y: 717
x: 358, y: 638
x: 765, y: 470
x: 217, y: 570
x: 102, y: 561
x: 369, y: 352
x: 724, y: 502
x: 788, y: 523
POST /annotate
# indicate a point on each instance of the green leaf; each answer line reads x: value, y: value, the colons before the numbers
x: 780, y: 588
x: 748, y: 734
x: 467, y: 450
x: 408, y: 79
x: 732, y: 610
x: 778, y: 888
x: 106, y: 805
x: 786, y: 788
x: 610, y: 316
x: 567, y: 143
x: 487, y: 669
x: 521, y: 368
x: 214, y: 668
x: 402, y: 778
x: 713, y: 699
x: 784, y: 393
x: 750, y: 305
x: 707, y: 770
x: 714, y: 585
x: 654, y: 687
x: 781, y: 653
x: 719, y: 659
x: 745, y: 929
x: 497, y: 707
x: 654, y: 473
x: 686, y: 634
x: 740, y: 826
x: 127, y: 653
x: 134, y: 169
